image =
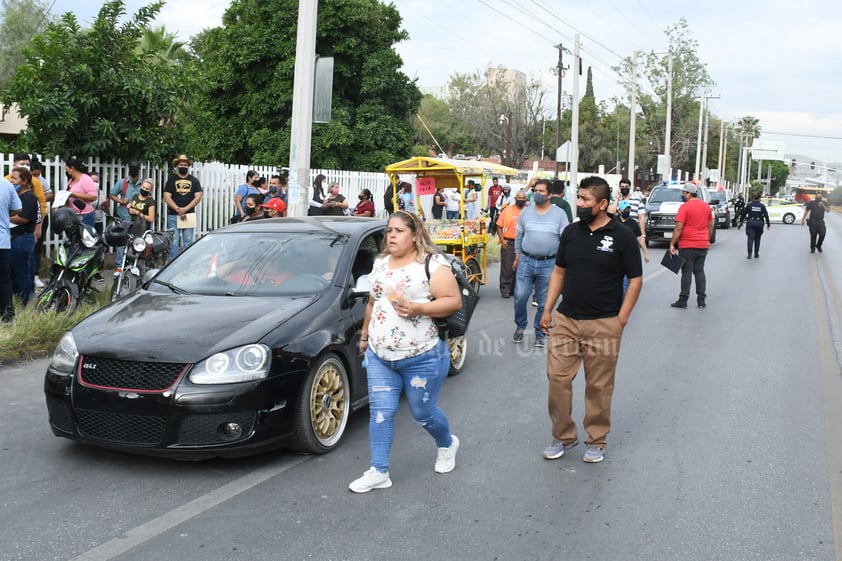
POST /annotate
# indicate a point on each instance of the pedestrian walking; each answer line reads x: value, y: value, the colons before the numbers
x: 814, y: 216
x: 536, y: 241
x: 753, y: 215
x: 693, y: 230
x: 22, y: 233
x: 594, y: 255
x: 506, y: 230
x: 403, y: 350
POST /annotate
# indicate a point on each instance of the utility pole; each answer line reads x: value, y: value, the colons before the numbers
x: 302, y: 107
x: 699, y: 137
x: 632, y: 119
x: 668, y: 130
x: 721, y: 156
x: 574, y: 135
x: 705, y: 146
x: 560, y: 73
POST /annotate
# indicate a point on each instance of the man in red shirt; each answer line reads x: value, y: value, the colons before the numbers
x: 494, y: 192
x: 693, y: 230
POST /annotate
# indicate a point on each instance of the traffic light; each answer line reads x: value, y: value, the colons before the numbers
x: 812, y: 165
x: 793, y: 163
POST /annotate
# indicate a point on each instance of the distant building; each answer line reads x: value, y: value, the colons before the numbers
x: 11, y: 123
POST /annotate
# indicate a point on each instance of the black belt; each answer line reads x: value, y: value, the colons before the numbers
x: 538, y: 257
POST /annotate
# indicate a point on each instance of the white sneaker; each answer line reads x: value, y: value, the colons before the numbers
x: 446, y: 459
x: 38, y: 282
x: 371, y: 479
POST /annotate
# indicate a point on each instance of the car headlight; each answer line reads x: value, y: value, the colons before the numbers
x: 139, y: 244
x: 88, y: 240
x: 65, y: 355
x: 243, y: 364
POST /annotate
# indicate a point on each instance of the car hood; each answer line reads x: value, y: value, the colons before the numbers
x: 669, y: 207
x: 153, y: 327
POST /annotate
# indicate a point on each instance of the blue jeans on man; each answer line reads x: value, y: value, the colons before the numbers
x: 420, y: 378
x: 532, y: 274
x: 21, y: 256
x: 183, y: 234
x: 7, y: 311
x: 452, y: 214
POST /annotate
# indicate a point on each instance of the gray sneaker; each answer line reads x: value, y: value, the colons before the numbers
x: 594, y: 454
x: 540, y: 340
x: 556, y: 449
x: 518, y: 335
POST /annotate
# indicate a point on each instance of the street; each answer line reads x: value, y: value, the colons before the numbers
x: 725, y: 445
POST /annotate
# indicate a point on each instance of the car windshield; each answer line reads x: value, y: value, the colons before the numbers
x: 665, y: 196
x: 238, y: 264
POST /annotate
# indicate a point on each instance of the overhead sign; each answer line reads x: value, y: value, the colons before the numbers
x: 767, y: 150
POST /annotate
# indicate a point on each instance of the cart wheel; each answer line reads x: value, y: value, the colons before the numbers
x: 474, y: 274
x: 458, y: 347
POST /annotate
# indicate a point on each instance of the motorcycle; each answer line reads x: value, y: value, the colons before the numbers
x: 78, y: 258
x: 147, y: 251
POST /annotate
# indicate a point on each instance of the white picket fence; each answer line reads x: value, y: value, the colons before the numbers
x: 219, y: 184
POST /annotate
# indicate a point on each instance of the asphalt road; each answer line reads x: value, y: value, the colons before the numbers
x: 725, y: 446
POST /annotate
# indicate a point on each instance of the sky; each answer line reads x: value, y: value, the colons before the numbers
x: 778, y: 60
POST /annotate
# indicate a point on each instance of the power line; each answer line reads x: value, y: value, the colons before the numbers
x: 804, y: 135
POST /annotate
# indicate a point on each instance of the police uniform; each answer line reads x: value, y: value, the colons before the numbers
x: 754, y: 214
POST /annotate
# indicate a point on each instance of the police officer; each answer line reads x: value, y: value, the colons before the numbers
x: 753, y: 215
x: 739, y: 205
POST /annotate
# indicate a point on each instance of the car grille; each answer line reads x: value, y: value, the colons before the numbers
x: 129, y: 375
x: 204, y: 429
x: 663, y: 220
x: 137, y: 430
x: 59, y: 412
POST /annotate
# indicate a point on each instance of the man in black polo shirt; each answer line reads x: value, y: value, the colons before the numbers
x: 593, y: 256
x: 814, y: 216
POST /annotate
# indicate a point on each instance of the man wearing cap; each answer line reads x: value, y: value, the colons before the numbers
x: 121, y: 194
x: 693, y: 230
x: 182, y: 193
x: 275, y: 207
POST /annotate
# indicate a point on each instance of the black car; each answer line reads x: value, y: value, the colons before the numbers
x: 247, y: 341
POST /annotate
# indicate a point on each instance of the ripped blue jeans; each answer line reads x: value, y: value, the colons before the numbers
x: 420, y: 378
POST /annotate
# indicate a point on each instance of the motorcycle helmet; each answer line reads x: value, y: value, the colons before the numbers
x: 64, y: 220
x: 117, y: 233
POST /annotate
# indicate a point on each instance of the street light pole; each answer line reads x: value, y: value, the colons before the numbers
x: 560, y: 73
x: 632, y: 119
x: 509, y: 139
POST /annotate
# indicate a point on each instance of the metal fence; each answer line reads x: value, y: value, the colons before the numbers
x: 219, y: 184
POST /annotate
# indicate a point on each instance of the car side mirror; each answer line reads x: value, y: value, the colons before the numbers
x: 362, y: 287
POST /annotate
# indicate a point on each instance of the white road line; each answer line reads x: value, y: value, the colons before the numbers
x: 157, y: 526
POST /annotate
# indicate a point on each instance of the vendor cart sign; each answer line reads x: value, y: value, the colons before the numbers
x: 425, y: 185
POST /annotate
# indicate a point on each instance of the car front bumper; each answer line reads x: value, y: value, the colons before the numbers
x: 186, y: 421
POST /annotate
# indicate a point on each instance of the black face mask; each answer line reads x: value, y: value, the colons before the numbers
x: 625, y: 191
x: 182, y: 171
x: 625, y: 213
x: 585, y: 214
x: 146, y: 193
x: 520, y: 203
x: 249, y: 210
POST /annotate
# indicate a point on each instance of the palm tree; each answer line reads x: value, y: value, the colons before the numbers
x: 749, y: 127
x: 162, y: 45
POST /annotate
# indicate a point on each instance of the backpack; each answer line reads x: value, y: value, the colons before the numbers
x: 456, y: 325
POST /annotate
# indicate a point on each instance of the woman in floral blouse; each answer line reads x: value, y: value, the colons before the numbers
x: 402, y: 345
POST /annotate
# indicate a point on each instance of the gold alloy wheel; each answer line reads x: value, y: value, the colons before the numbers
x: 458, y: 349
x: 328, y: 403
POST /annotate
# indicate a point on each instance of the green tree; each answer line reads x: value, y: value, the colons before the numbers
x: 89, y: 92
x: 245, y: 72
x: 20, y: 20
x: 441, y: 126
x: 690, y: 78
x: 483, y: 102
x: 162, y: 46
x: 779, y: 172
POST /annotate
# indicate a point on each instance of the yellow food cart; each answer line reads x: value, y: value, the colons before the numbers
x: 465, y: 237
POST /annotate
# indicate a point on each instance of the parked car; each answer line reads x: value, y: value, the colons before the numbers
x: 247, y: 341
x: 724, y: 207
x: 782, y: 210
x: 662, y: 206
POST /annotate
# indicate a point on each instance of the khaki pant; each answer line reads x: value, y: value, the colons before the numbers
x: 596, y: 342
